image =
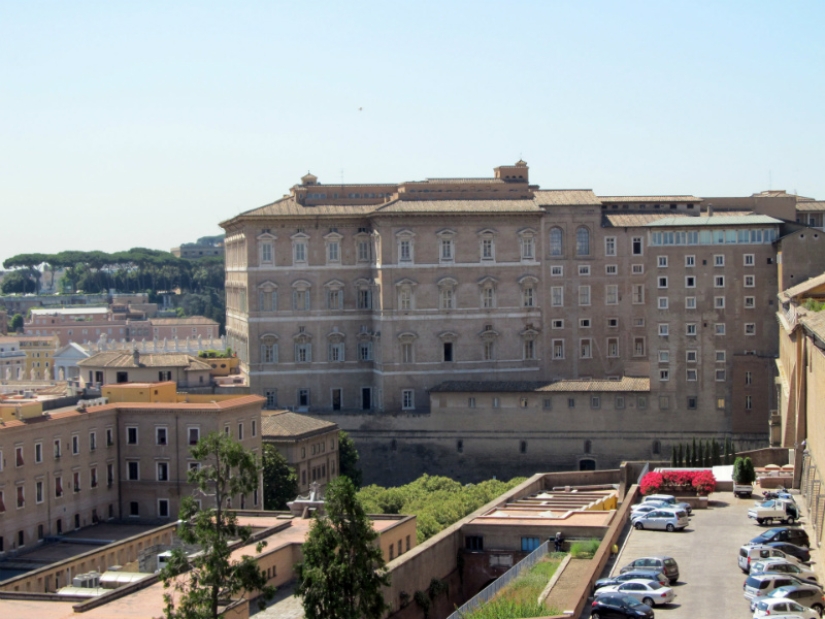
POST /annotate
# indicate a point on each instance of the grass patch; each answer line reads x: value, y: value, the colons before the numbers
x: 519, y: 599
x: 585, y: 549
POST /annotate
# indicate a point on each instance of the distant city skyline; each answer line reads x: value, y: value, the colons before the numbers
x: 145, y: 125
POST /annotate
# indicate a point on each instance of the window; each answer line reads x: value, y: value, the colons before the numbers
x: 75, y: 445
x: 405, y: 298
x: 407, y: 399
x: 618, y: 403
x: 637, y: 269
x: 547, y: 404
x: 750, y: 281
x: 557, y: 296
x: 110, y: 440
x: 558, y: 349
x: 664, y: 356
x: 690, y: 302
x: 335, y: 299
x: 18, y: 456
x: 303, y: 398
x: 584, y: 295
x: 38, y: 453
x: 749, y: 260
x: 474, y: 542
x: 719, y: 281
x: 471, y: 402
x: 664, y: 402
x: 303, y: 352
x: 720, y: 356
x: 160, y: 436
x: 557, y: 323
x: 585, y: 348
x: 364, y: 298
x: 595, y: 402
x: 528, y: 244
x: 662, y: 281
x: 92, y: 441
x: 487, y: 249
x: 529, y: 544
x: 720, y: 375
x: 405, y: 250
x: 719, y: 328
x: 584, y: 323
x: 584, y: 270
x: 691, y: 356
x: 38, y: 492
x: 750, y: 328
x: 692, y: 402
x: 488, y: 296
x: 76, y: 481
x: 612, y: 323
x: 690, y: 281
x: 335, y: 352
x: 638, y: 347
x: 719, y: 260
x: 447, y: 351
x: 131, y: 435
x: 496, y: 402
x: 748, y: 403
x: 611, y: 269
x: 690, y: 261
x: 528, y: 296
x: 163, y: 471
x: 691, y: 375
x: 21, y: 497
x: 446, y: 297
x: 556, y: 242
x: 719, y: 302
x: 407, y: 352
x: 134, y: 509
x: 638, y: 294
x: 582, y: 241
x: 364, y: 250
x: 690, y: 328
x: 522, y: 447
x: 333, y: 250
x: 299, y: 250
x: 447, y: 246
x: 748, y: 378
x: 750, y: 302
x: 300, y: 297
x: 610, y: 246
x: 662, y: 303
x: 636, y: 246
x: 240, y: 431
x: 163, y: 508
x: 662, y: 262
x: 195, y: 433
x: 58, y: 487
x: 557, y: 270
x: 611, y: 294
x: 664, y: 329
x: 529, y: 348
x: 365, y: 351
x: 133, y: 471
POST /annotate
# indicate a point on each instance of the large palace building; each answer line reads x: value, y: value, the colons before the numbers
x: 534, y: 329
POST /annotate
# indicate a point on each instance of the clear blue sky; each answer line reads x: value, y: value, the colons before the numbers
x: 146, y: 123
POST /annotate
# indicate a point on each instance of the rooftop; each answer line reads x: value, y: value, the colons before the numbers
x: 650, y: 199
x: 128, y: 359
x: 68, y: 311
x: 176, y: 322
x: 715, y: 220
x: 286, y: 424
x: 800, y: 289
x: 815, y: 206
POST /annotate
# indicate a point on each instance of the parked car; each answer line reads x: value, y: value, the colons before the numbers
x: 646, y: 591
x: 643, y: 508
x: 798, y: 537
x: 670, y: 500
x: 748, y: 554
x: 743, y: 490
x: 781, y: 566
x: 673, y: 519
x: 774, y: 509
x: 620, y: 607
x: 758, y: 586
x: 666, y: 565
x: 632, y: 575
x: 807, y: 595
x: 803, y: 554
x: 782, y: 608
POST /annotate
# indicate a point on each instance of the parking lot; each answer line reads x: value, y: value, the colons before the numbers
x: 710, y: 581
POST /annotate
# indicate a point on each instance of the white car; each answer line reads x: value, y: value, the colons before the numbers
x: 781, y: 566
x: 783, y: 608
x: 646, y: 591
x: 643, y: 508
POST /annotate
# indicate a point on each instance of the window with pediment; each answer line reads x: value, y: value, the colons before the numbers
x: 487, y: 289
x: 301, y: 295
x: 406, y: 343
x: 406, y: 294
x: 269, y: 348
x: 447, y: 293
x: 529, y: 343
x: 489, y: 337
x: 364, y: 294
x: 300, y: 248
x: 487, y: 245
x: 268, y: 297
x: 406, y: 246
x: 335, y: 347
x: 332, y: 242
x: 303, y: 348
x: 446, y: 246
x: 527, y: 243
x: 334, y: 292
x: 528, y: 291
x: 266, y: 248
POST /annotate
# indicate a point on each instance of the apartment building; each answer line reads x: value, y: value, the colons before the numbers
x: 367, y: 298
x: 124, y: 366
x: 39, y: 351
x: 127, y: 459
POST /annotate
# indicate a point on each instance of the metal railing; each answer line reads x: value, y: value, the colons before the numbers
x: 488, y: 593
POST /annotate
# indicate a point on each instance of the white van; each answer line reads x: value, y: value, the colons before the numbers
x: 750, y: 554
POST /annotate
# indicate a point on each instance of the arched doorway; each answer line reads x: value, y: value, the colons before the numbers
x: 587, y: 464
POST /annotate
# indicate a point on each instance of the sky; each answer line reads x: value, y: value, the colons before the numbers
x: 145, y: 124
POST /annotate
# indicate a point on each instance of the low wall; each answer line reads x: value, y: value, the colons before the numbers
x: 766, y: 456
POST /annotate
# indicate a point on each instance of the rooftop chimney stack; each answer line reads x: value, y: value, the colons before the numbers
x: 710, y: 210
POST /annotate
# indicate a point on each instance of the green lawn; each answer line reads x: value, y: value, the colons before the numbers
x: 519, y: 599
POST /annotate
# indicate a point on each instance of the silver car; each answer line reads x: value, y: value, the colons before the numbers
x: 646, y: 591
x: 662, y: 519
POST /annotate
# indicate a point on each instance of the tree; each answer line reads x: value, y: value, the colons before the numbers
x: 342, y: 574
x: 680, y: 459
x: 16, y: 323
x: 209, y: 578
x: 743, y: 471
x: 18, y: 282
x: 673, y: 462
x: 280, y: 480
x: 348, y: 459
x: 715, y: 456
x: 694, y: 456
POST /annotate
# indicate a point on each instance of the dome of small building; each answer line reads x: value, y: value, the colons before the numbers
x: 309, y: 179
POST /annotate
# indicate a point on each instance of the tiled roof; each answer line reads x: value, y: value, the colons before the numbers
x: 176, y: 322
x: 804, y: 287
x: 565, y: 197
x: 626, y: 383
x: 630, y: 220
x: 68, y: 311
x: 814, y: 322
x: 125, y: 359
x: 286, y: 424
x: 288, y: 206
x: 654, y: 199
x: 815, y: 206
x: 457, y: 206
x: 715, y: 220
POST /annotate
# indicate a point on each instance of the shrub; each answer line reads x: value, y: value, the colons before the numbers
x: 584, y: 549
x: 704, y: 482
x: 700, y: 482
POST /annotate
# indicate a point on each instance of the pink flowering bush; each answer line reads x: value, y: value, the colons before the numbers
x: 701, y: 482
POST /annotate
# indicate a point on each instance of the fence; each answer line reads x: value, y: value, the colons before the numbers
x: 488, y: 593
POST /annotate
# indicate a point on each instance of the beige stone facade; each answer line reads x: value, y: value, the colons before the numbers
x: 365, y: 298
x: 123, y: 366
x: 68, y: 468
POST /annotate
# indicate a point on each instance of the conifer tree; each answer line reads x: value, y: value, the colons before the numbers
x: 342, y: 574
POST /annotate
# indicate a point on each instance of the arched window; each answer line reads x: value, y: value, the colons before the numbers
x: 269, y: 348
x: 588, y: 447
x: 556, y: 242
x: 582, y: 242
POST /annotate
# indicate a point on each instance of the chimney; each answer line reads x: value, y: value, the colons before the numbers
x: 136, y: 356
x: 710, y: 209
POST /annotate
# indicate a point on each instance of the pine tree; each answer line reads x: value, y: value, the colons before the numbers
x: 201, y: 582
x: 714, y: 454
x: 342, y: 575
x: 728, y: 459
x: 673, y: 464
x: 694, y: 459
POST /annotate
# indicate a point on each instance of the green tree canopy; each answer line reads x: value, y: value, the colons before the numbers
x: 201, y: 583
x: 342, y: 574
x: 280, y: 480
x: 16, y: 323
x: 348, y: 459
